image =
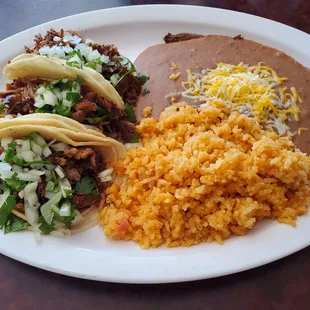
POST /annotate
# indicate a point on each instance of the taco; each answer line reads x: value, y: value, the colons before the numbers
x: 48, y: 85
x: 105, y: 59
x: 52, y: 179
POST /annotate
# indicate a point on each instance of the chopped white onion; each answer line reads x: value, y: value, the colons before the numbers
x: 50, y: 98
x: 65, y: 210
x: 18, y: 115
x: 17, y: 168
x: 36, y: 172
x: 36, y: 148
x: 39, y: 140
x: 78, y: 218
x: 28, y: 177
x: 5, y: 141
x: 37, y: 236
x: 72, y: 38
x: 32, y: 199
x: 2, y: 156
x: 98, y: 68
x: 44, y: 50
x: 114, y: 78
x: 26, y: 145
x: 129, y: 146
x: 61, y: 232
x: 64, y: 185
x: 31, y: 187
x: 47, y: 152
x: 28, y: 155
x: 104, y: 58
x: 60, y: 147
x: 21, y: 194
x: 6, y: 174
x: 5, y: 167
x: 40, y: 90
x: 32, y: 215
x: 93, y: 55
x: 19, y: 141
x: 59, y: 171
x: 9, y: 116
x: 68, y: 49
x: 105, y: 172
x: 4, y: 197
x: 48, y: 208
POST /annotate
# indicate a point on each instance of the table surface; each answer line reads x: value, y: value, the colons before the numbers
x: 280, y: 285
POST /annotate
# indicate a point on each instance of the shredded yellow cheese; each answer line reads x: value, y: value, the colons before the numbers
x: 301, y: 129
x: 173, y: 99
x: 251, y: 90
x: 173, y: 67
x: 174, y: 76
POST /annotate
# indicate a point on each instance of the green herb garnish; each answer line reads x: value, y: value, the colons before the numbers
x: 85, y: 186
x: 5, y: 210
x: 44, y: 227
x: 135, y: 137
x: 130, y: 113
x: 14, y: 183
x: 145, y: 91
x: 143, y: 78
x: 9, y: 152
x: 14, y: 223
x: 96, y: 120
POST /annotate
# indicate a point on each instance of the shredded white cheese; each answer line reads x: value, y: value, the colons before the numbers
x: 251, y: 90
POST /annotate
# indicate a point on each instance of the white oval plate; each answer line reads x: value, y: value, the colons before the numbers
x: 91, y: 255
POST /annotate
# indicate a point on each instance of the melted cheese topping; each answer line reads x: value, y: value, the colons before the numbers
x: 251, y: 90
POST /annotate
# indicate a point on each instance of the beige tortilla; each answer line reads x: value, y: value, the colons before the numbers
x: 36, y: 66
x: 51, y: 120
x: 108, y: 148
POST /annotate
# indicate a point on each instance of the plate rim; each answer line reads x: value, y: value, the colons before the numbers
x: 165, y: 10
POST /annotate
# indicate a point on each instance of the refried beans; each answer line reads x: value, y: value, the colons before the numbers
x: 196, y: 53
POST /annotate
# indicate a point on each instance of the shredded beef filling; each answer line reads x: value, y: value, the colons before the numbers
x: 19, y: 99
x: 179, y: 37
x: 78, y: 163
x: 129, y: 88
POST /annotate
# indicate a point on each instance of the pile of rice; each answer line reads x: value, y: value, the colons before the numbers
x: 202, y: 176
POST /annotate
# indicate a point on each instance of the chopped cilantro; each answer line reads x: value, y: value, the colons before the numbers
x: 14, y: 183
x: 62, y: 110
x: 96, y: 120
x: 110, y: 63
x: 79, y: 80
x: 14, y: 223
x: 44, y: 227
x: 85, y: 186
x: 5, y: 210
x: 91, y: 65
x: 74, y: 97
x: 50, y: 186
x: 10, y: 152
x: 67, y: 220
x: 130, y: 113
x: 2, y: 107
x: 135, y: 137
x: 145, y: 91
x: 124, y: 62
x: 21, y: 162
x: 74, y: 64
x: 143, y: 78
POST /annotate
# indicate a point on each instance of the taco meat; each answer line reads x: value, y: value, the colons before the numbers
x: 113, y: 64
x: 19, y: 99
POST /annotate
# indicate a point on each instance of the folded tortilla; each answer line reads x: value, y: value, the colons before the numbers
x: 36, y: 66
x: 109, y: 149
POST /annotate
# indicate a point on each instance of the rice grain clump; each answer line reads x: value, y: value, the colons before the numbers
x: 202, y: 176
